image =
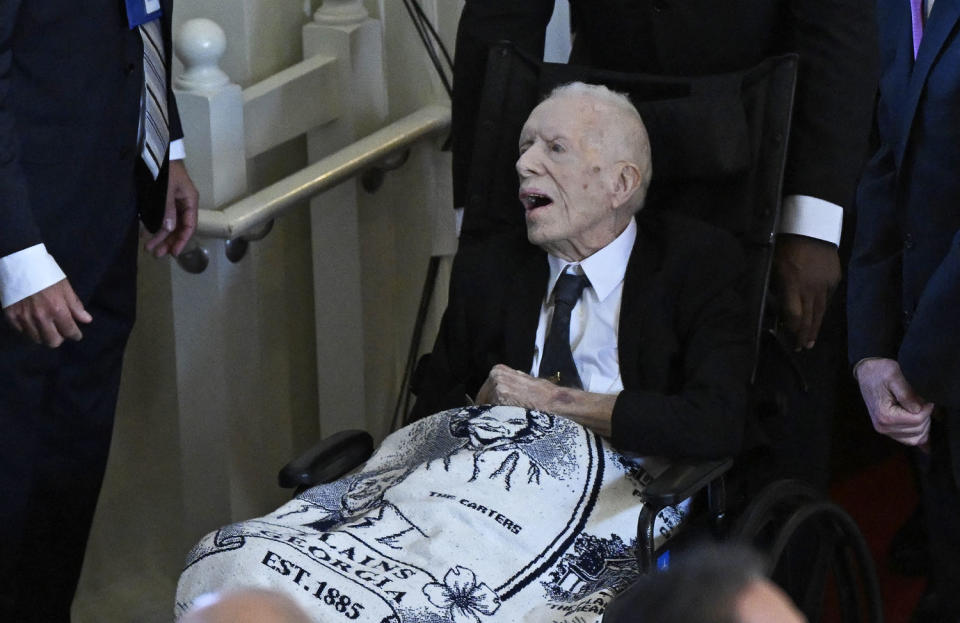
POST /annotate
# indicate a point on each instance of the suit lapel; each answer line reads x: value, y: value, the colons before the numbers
x: 524, y: 298
x: 943, y: 20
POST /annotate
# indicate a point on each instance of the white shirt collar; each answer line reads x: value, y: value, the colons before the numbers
x: 605, y: 269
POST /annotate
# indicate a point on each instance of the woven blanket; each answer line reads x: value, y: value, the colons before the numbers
x: 470, y: 515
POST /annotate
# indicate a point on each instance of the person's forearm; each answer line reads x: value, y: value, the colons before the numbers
x: 595, y: 411
x: 506, y: 386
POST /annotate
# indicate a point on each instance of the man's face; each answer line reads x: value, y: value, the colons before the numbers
x: 565, y: 177
x: 489, y: 427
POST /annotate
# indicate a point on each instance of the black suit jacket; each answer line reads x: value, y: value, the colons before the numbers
x: 904, y: 293
x: 835, y: 40
x: 684, y: 345
x: 71, y: 75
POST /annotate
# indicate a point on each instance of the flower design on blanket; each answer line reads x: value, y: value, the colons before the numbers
x: 462, y: 596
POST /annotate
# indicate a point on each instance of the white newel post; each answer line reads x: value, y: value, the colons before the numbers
x: 205, y: 321
x: 214, y: 107
x: 342, y: 29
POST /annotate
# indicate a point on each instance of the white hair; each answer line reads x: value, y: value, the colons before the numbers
x: 600, y: 92
x: 634, y: 144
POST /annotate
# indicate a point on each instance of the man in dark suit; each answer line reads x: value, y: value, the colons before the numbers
x: 828, y: 143
x: 86, y: 116
x: 657, y: 335
x: 904, y: 290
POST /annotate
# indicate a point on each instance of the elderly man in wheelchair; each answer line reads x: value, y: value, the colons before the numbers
x: 608, y: 342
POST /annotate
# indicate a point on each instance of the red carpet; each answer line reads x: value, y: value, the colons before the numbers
x: 880, y: 497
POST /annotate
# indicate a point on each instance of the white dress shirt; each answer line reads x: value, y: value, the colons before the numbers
x: 594, y: 320
x: 26, y: 272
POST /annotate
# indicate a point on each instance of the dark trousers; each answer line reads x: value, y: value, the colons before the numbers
x: 56, y: 417
x: 797, y: 393
x: 940, y: 493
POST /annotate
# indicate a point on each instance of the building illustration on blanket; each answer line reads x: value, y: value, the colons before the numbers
x: 596, y: 564
x: 481, y: 513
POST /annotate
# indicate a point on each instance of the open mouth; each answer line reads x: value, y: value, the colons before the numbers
x: 532, y: 199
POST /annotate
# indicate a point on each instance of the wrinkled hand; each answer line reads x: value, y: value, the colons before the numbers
x: 50, y: 316
x: 895, y: 409
x: 506, y: 386
x: 807, y: 272
x: 179, y: 214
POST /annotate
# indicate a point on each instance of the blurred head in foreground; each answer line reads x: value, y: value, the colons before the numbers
x: 248, y: 605
x: 717, y: 584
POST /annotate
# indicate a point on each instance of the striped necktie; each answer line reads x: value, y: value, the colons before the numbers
x: 156, y: 132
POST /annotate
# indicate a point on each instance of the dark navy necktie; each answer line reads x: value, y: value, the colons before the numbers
x: 557, y: 361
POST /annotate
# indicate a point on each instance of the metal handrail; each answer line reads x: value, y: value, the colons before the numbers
x: 254, y: 211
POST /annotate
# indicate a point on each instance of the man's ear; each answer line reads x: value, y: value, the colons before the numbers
x: 627, y: 180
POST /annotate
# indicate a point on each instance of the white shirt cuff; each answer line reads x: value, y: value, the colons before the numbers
x: 26, y: 272
x: 811, y: 217
x: 177, y: 150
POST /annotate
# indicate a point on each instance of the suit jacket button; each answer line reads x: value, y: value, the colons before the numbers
x: 129, y: 68
x: 908, y: 242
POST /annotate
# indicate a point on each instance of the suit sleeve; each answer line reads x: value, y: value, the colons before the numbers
x: 930, y: 353
x: 176, y: 130
x: 836, y: 86
x: 706, y: 417
x: 875, y: 270
x: 18, y: 230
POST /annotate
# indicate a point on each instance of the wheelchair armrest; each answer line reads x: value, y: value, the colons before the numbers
x: 679, y: 482
x: 682, y: 480
x: 328, y: 460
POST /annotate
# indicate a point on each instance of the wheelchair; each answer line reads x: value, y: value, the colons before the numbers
x: 719, y: 145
